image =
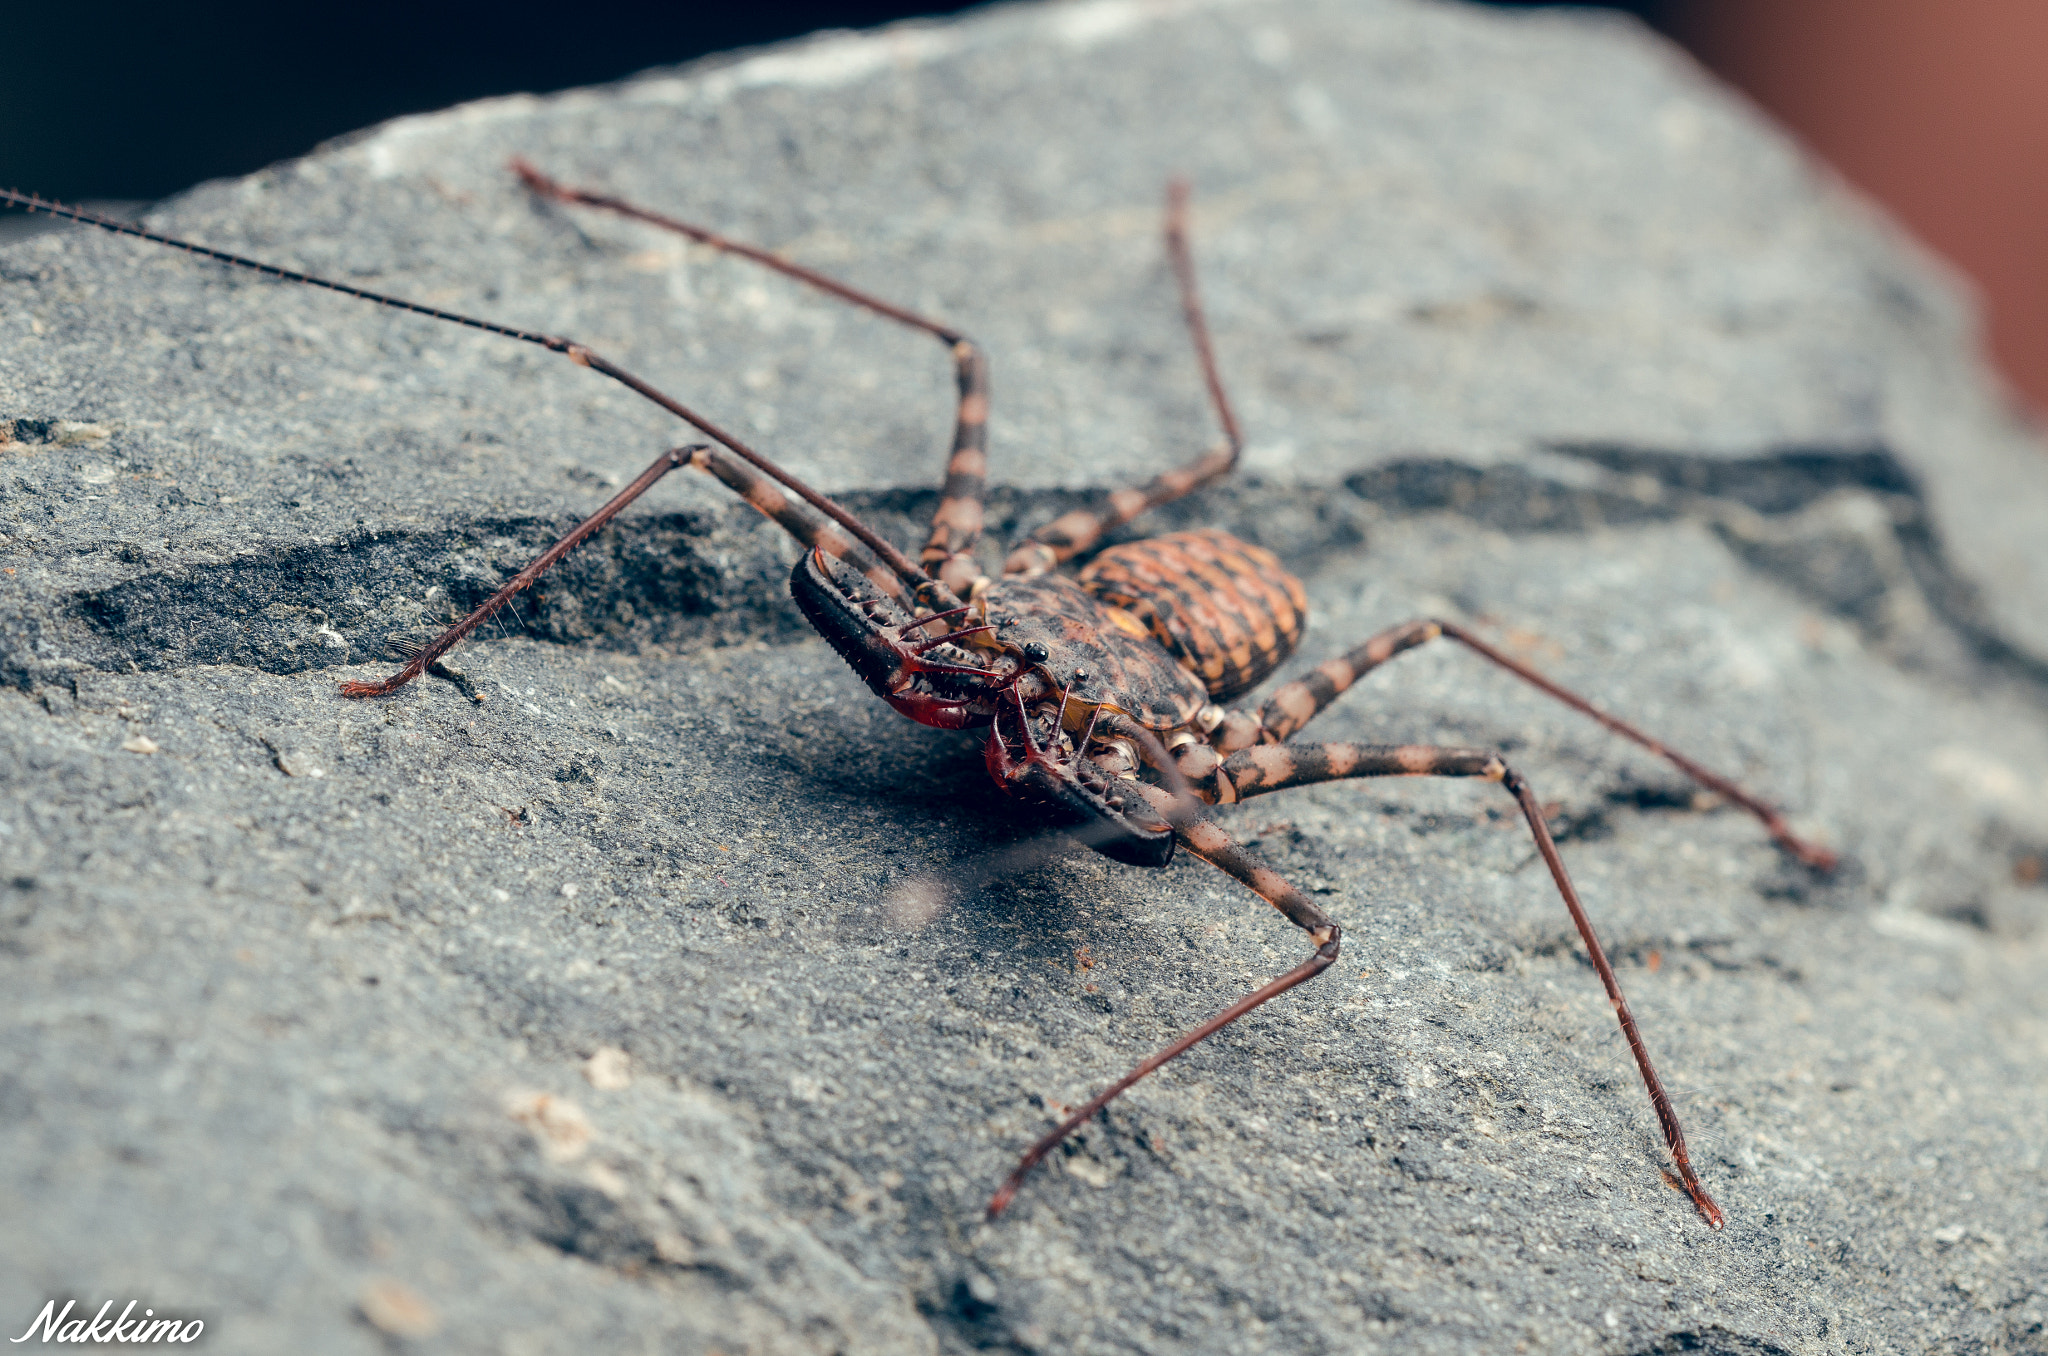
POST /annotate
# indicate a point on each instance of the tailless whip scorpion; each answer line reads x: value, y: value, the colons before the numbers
x: 1105, y: 692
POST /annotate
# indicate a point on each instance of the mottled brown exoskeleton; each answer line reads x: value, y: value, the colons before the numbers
x: 1103, y: 693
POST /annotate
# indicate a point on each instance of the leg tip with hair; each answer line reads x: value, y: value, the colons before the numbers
x: 1001, y: 1200
x: 1702, y: 1203
x: 1684, y: 1180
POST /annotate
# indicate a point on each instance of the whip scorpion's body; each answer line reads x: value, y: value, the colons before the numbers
x: 1102, y: 693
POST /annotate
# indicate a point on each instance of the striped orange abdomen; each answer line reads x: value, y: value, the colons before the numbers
x: 1224, y: 607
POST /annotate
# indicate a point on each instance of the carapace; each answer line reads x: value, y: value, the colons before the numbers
x: 1102, y: 692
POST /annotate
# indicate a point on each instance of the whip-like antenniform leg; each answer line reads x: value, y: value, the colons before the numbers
x: 881, y: 561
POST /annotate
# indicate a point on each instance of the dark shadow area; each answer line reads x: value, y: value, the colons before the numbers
x: 130, y: 102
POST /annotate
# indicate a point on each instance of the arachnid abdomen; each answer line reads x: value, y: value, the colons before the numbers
x: 1225, y: 608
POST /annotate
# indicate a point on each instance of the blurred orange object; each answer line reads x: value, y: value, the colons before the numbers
x: 1937, y: 108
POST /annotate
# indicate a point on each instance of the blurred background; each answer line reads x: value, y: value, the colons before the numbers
x: 1937, y: 108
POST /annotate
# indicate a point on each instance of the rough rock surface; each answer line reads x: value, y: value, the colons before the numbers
x: 658, y: 1003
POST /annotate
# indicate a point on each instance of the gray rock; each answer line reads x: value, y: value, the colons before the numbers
x: 315, y: 1011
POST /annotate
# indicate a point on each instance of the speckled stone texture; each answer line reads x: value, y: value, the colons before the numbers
x: 682, y: 998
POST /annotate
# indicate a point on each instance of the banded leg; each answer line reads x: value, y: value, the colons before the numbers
x: 1272, y: 767
x: 758, y: 490
x: 956, y: 525
x: 1299, y: 702
x: 1209, y: 842
x: 1072, y: 533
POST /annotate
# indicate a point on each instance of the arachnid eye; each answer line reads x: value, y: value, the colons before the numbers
x: 1036, y: 653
